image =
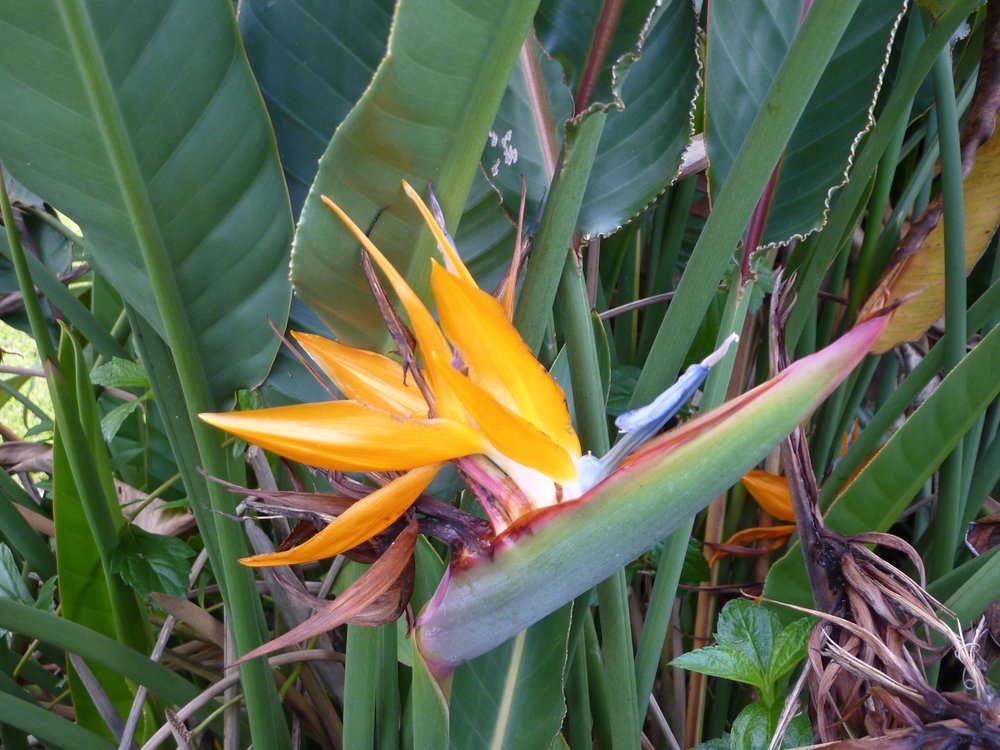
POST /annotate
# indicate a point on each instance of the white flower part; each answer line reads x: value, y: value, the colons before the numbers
x: 493, y: 139
x: 495, y: 169
x: 538, y: 488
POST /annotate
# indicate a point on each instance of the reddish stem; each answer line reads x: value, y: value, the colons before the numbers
x: 755, y: 231
x: 599, y: 46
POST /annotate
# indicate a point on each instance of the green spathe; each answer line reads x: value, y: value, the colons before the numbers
x: 561, y: 552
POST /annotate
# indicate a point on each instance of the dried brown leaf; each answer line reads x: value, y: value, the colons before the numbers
x: 360, y: 602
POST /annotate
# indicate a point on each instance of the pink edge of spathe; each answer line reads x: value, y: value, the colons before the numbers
x: 859, y: 339
x: 849, y: 348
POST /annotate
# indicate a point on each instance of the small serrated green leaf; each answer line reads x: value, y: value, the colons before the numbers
x: 120, y: 373
x: 12, y: 584
x: 152, y: 562
x: 113, y: 420
x: 754, y: 726
x: 719, y: 743
x: 722, y: 661
x: 749, y: 627
x: 789, y: 648
x: 799, y: 733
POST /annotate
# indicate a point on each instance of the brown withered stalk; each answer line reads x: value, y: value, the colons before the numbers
x: 878, y: 630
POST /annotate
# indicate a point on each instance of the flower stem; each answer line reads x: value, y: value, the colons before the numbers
x: 949, y: 510
x: 557, y: 226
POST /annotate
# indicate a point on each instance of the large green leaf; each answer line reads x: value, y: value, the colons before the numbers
x: 312, y: 62
x: 485, y: 238
x: 883, y: 489
x: 747, y: 41
x: 512, y: 697
x: 649, y: 108
x: 143, y: 123
x: 566, y: 29
x: 424, y: 118
x: 641, y: 146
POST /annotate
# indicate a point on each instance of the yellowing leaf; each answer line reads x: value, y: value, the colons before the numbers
x: 923, y: 271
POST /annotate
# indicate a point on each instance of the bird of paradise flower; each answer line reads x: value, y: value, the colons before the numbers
x: 560, y: 521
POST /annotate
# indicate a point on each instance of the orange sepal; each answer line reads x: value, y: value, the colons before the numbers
x: 499, y: 361
x: 771, y: 493
x: 348, y: 436
x: 452, y: 259
x: 429, y: 337
x: 365, y: 376
x: 367, y: 517
x: 779, y: 534
x: 511, y: 434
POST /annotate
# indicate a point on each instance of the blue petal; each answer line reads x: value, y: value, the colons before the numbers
x: 639, y: 425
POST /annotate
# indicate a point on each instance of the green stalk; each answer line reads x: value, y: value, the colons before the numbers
x: 585, y: 374
x: 970, y: 455
x: 776, y: 119
x: 669, y: 250
x: 267, y: 725
x: 387, y: 710
x: 557, y: 226
x: 580, y: 723
x: 825, y: 441
x: 844, y: 212
x: 858, y: 390
x: 947, y: 531
x: 361, y: 674
x: 612, y: 594
x: 169, y: 399
x: 39, y: 328
x: 668, y: 571
x: 831, y: 308
x: 602, y: 701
